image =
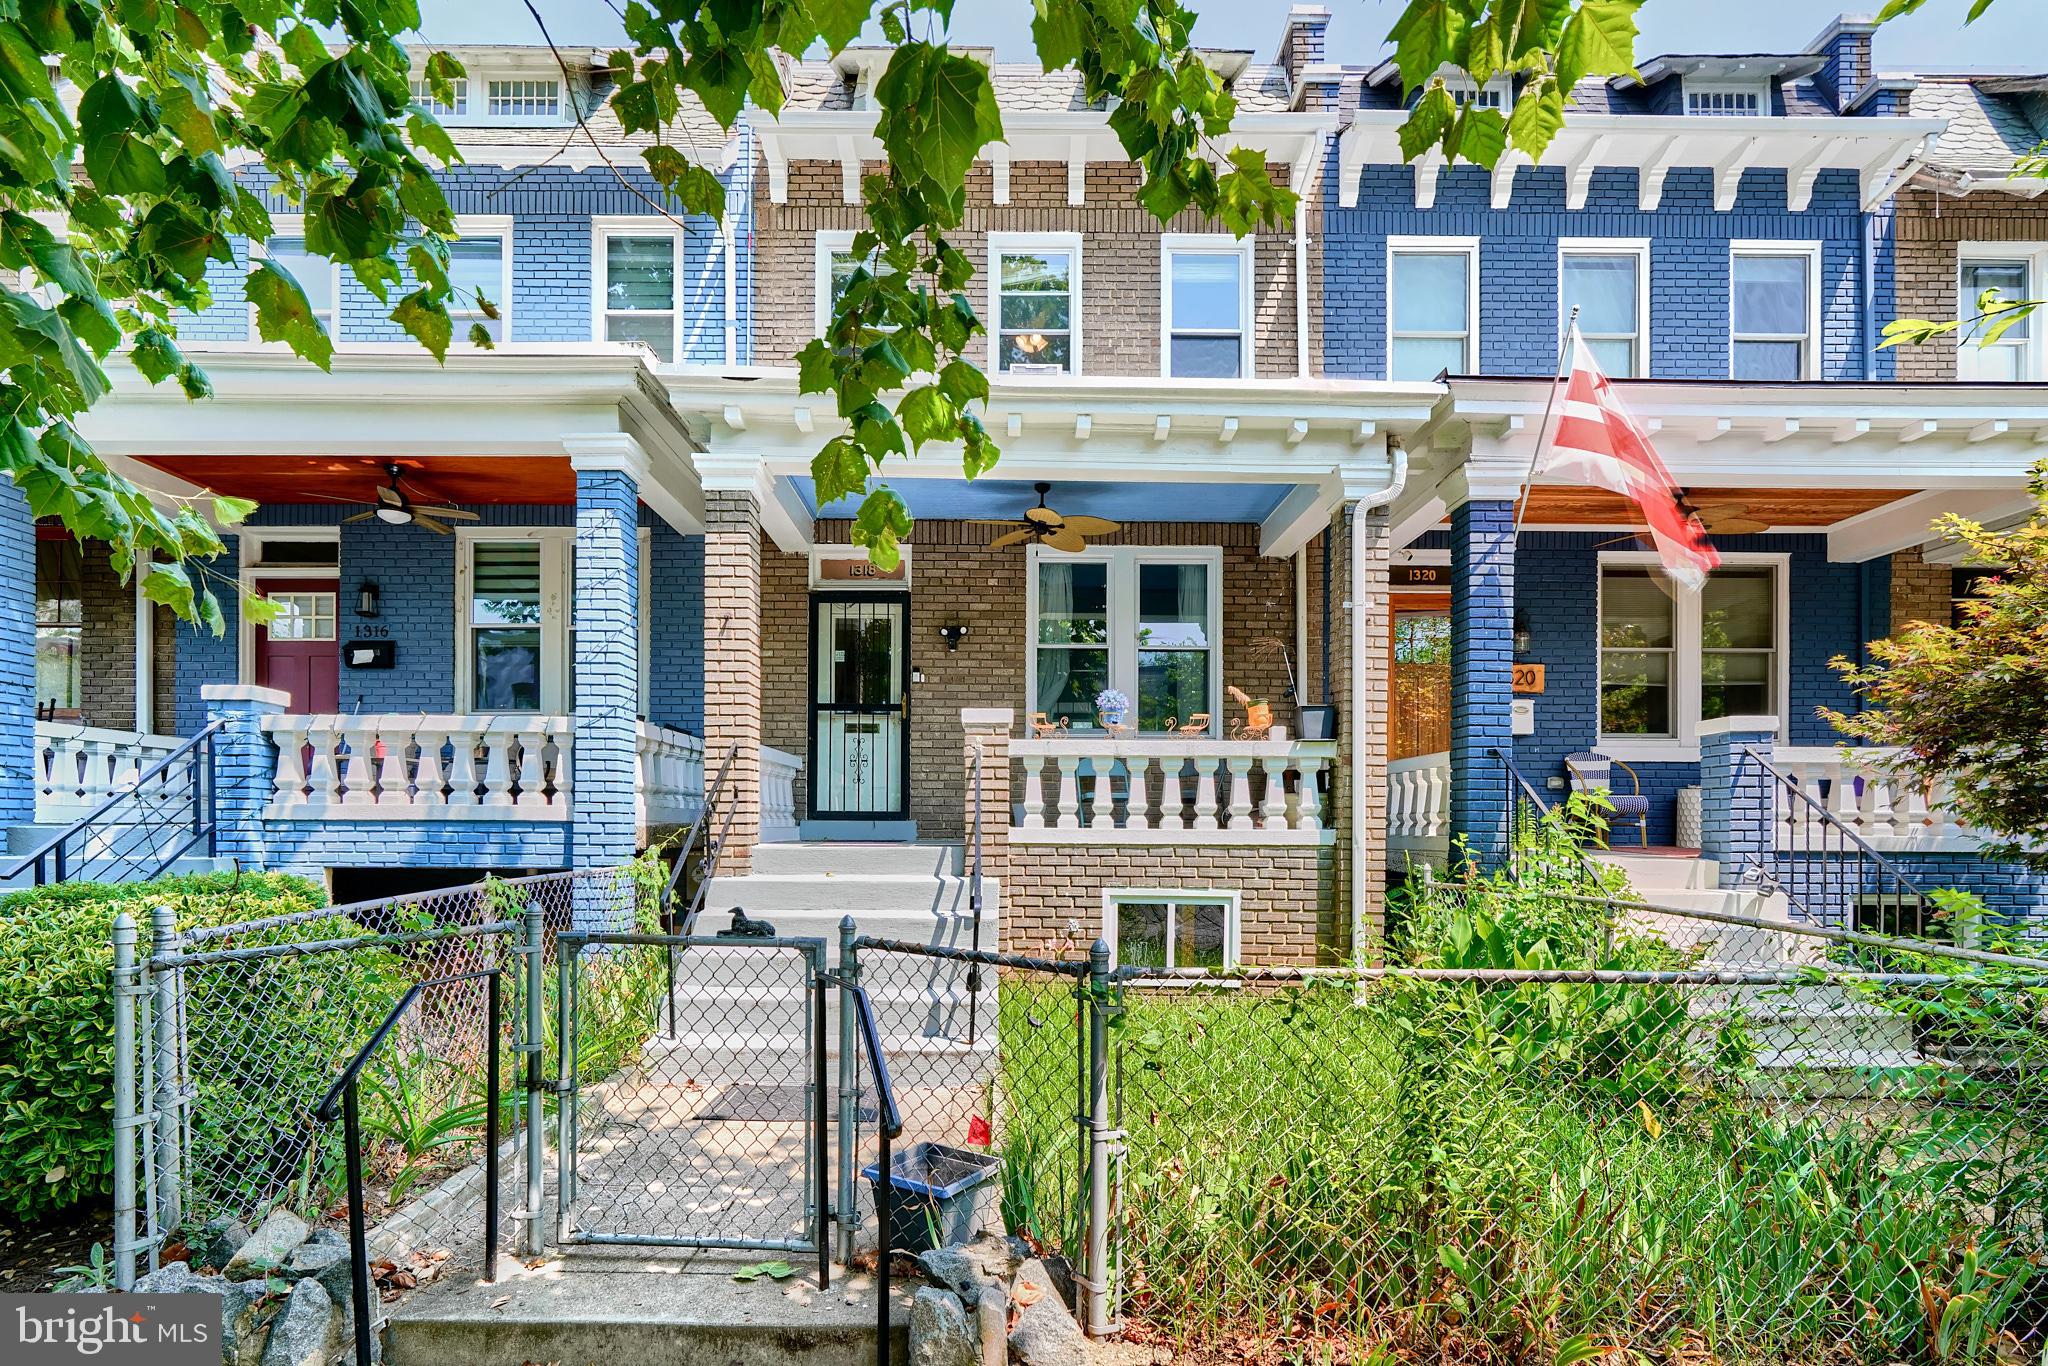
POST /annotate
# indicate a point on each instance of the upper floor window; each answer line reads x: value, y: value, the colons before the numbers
x: 1774, y: 310
x: 1037, y: 286
x: 836, y: 267
x: 1723, y: 98
x: 1608, y: 282
x: 524, y: 99
x: 1206, y: 306
x: 1493, y: 95
x: 318, y: 276
x: 1671, y: 659
x: 480, y: 268
x: 1433, y: 309
x: 1991, y: 275
x: 458, y: 107
x: 638, y: 269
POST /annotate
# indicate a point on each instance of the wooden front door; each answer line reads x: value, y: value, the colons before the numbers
x: 300, y: 651
x: 1420, y: 717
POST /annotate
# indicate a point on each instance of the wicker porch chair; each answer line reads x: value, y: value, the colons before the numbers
x: 1592, y: 772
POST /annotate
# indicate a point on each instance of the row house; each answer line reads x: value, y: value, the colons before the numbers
x: 1240, y: 629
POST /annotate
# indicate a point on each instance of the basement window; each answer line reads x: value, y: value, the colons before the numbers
x: 1171, y: 929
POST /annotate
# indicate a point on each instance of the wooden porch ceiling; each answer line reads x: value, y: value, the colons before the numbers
x: 351, y: 479
x: 1773, y: 507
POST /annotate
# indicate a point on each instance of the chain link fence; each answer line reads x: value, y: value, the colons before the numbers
x: 238, y: 1031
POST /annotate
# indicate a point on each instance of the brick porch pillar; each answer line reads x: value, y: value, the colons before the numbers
x: 604, y: 797
x: 732, y: 666
x: 17, y: 658
x: 987, y: 733
x: 1736, y: 800
x: 1482, y: 663
x: 244, y: 768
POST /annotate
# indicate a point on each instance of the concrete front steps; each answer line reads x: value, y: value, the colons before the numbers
x: 1685, y: 883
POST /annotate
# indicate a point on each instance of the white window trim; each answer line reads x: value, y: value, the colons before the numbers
x: 1218, y: 244
x: 829, y: 242
x: 1638, y: 247
x: 1809, y: 357
x: 1233, y: 915
x: 1683, y: 747
x: 1123, y: 562
x: 422, y: 94
x: 480, y: 99
x: 293, y: 225
x: 249, y: 549
x: 602, y: 230
x: 1000, y: 243
x: 498, y: 225
x: 1757, y: 86
x: 1439, y: 246
x: 2035, y: 256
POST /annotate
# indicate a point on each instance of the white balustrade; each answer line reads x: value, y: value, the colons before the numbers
x: 671, y: 775
x: 79, y: 767
x: 1172, y: 789
x: 778, y: 795
x: 392, y: 767
x: 1887, y: 811
x: 1419, y: 804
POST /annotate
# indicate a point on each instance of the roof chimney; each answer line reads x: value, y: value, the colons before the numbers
x: 1301, y: 46
x: 1844, y: 47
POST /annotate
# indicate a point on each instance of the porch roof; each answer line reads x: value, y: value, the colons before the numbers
x: 1871, y: 464
x: 1304, y: 445
x: 279, y: 424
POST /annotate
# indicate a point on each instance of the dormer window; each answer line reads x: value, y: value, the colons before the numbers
x: 457, y: 108
x: 525, y: 99
x: 1495, y: 94
x: 1723, y: 99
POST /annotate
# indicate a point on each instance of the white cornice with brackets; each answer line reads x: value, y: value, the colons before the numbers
x: 1076, y: 138
x: 1882, y: 151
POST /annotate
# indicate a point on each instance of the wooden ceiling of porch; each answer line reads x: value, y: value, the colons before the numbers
x: 352, y: 479
x: 1773, y: 507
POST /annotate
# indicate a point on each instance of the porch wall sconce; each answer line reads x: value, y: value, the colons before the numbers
x: 952, y: 633
x: 367, y: 599
x: 1522, y: 634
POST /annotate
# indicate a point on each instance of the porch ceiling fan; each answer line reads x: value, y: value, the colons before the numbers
x: 1717, y: 519
x: 395, y: 506
x: 1044, y: 526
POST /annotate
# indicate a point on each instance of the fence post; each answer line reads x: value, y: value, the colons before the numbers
x: 1096, y: 1282
x: 532, y: 946
x: 126, y: 987
x: 167, y: 1104
x: 849, y: 1089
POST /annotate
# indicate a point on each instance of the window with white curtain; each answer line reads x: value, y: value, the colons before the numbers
x: 1146, y: 622
x: 1431, y: 324
x: 639, y: 287
x: 1994, y: 275
x: 1773, y: 311
x: 1608, y: 283
x: 1207, y: 307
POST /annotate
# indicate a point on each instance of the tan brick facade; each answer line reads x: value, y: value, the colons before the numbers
x: 1120, y: 263
x: 1920, y: 591
x: 733, y: 632
x: 1929, y: 227
x: 106, y: 651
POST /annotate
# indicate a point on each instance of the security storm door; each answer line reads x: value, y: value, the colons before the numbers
x: 860, y: 705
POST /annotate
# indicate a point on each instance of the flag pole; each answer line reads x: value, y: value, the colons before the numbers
x: 1564, y: 347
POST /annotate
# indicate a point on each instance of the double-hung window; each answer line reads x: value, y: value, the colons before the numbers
x: 1994, y: 345
x: 318, y: 277
x: 515, y: 620
x: 836, y: 267
x: 1171, y: 929
x: 1036, y: 284
x: 1670, y: 659
x: 636, y: 280
x: 480, y: 271
x: 1432, y: 316
x: 1774, y: 310
x: 1206, y: 306
x: 1609, y: 283
x: 1145, y: 622
x: 60, y: 621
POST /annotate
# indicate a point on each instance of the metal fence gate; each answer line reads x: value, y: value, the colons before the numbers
x: 712, y: 1133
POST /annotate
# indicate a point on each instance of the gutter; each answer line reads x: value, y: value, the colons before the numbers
x: 1359, y: 647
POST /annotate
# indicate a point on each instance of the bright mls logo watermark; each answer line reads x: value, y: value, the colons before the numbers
x: 119, y: 1330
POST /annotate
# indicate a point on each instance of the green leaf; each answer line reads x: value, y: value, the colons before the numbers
x: 1481, y: 135
x: 115, y: 129
x: 169, y: 585
x: 1536, y: 119
x: 1599, y: 40
x: 284, y: 314
x: 817, y: 369
x: 1425, y: 37
x: 426, y: 321
x: 938, y: 112
x: 188, y: 113
x: 883, y: 521
x: 430, y: 137
x: 229, y: 511
x: 1428, y: 121
x: 926, y: 414
x: 963, y: 383
x: 839, y: 469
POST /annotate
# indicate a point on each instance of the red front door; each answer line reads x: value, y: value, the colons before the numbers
x: 298, y: 652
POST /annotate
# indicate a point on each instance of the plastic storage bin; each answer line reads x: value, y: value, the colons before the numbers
x: 933, y: 1194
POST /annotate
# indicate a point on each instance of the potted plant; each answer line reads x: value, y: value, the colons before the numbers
x: 1312, y: 720
x: 1111, y: 708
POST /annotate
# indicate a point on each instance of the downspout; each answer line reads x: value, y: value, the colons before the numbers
x: 1359, y: 646
x: 732, y: 274
x: 1869, y: 300
x: 1301, y: 625
x: 1301, y: 356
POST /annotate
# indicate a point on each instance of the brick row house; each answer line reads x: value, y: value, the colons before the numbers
x: 1296, y: 457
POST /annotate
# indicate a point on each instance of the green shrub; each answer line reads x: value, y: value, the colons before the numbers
x: 57, y: 1020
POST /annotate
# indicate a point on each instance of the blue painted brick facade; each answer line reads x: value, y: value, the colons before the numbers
x: 1482, y: 657
x: 1736, y: 800
x: 606, y: 792
x: 17, y: 657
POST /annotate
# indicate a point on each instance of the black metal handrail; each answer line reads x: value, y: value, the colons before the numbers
x: 888, y: 1126
x: 974, y: 901
x: 708, y: 866
x: 342, y: 1096
x: 137, y: 849
x: 1836, y: 842
x: 1519, y: 790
